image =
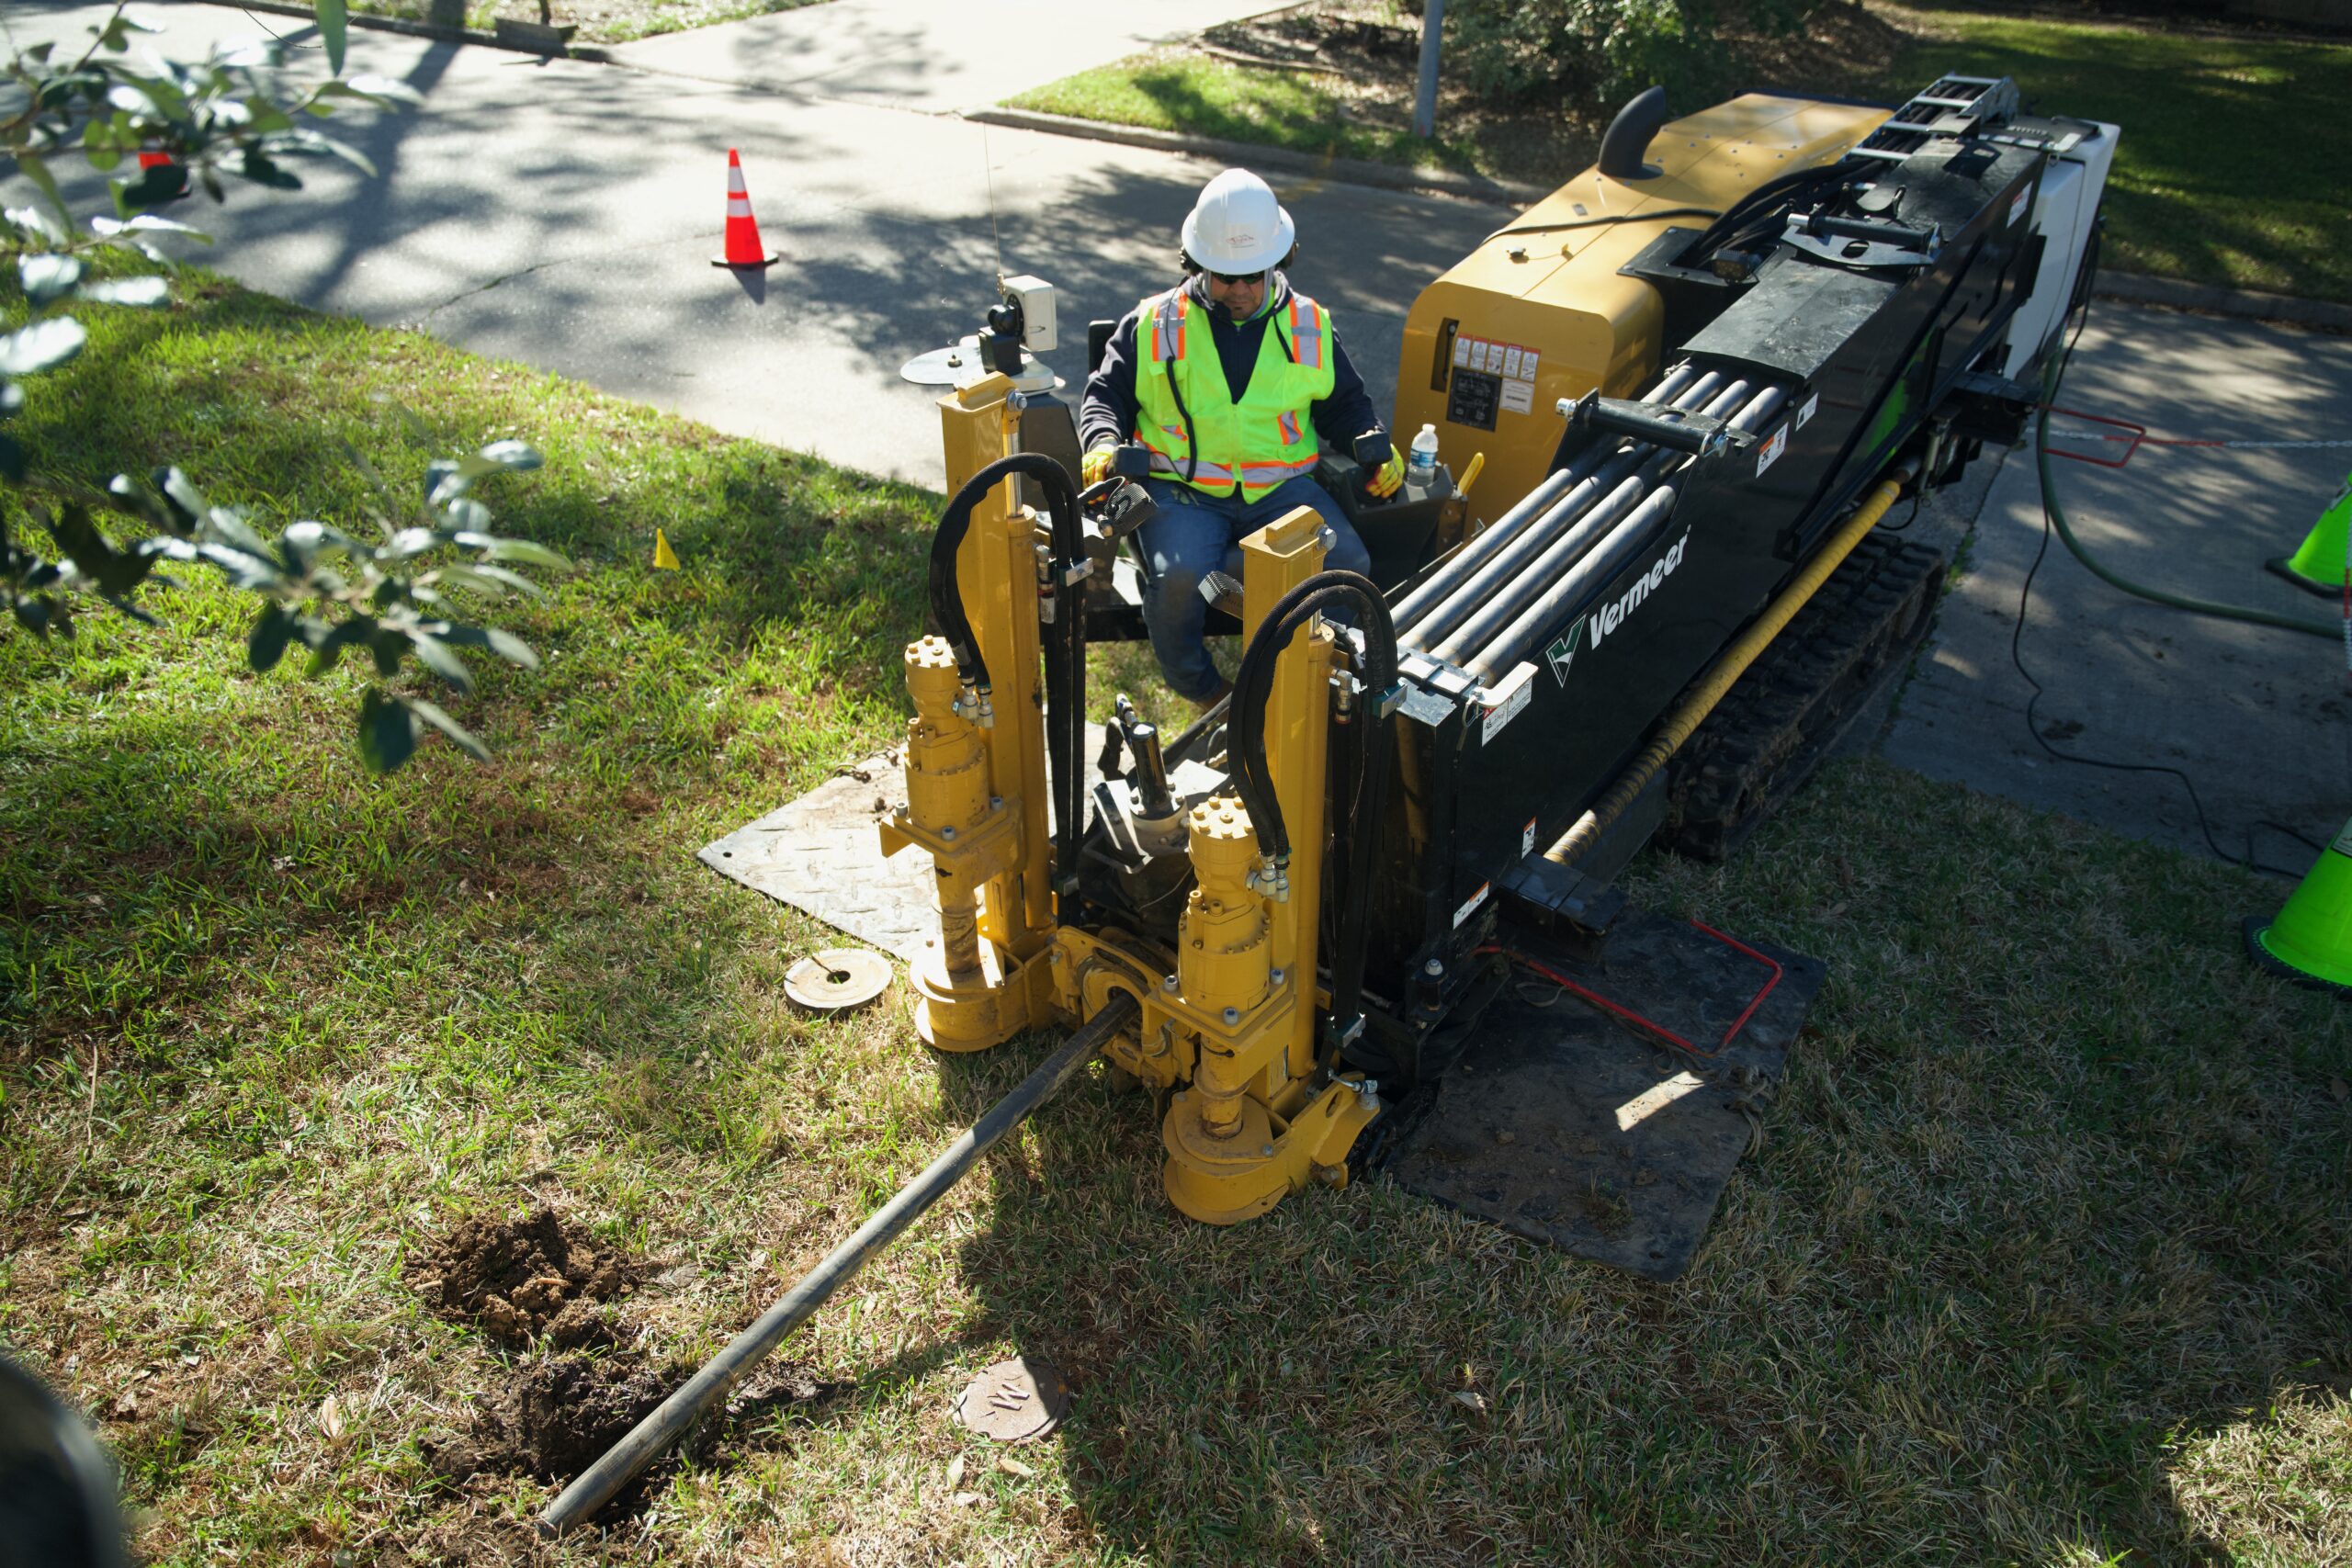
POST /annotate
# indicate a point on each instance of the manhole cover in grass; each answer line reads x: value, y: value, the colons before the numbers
x: 1014, y: 1401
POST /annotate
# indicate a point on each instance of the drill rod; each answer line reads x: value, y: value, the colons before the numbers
x: 670, y: 1420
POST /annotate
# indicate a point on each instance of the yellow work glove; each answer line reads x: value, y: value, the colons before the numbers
x: 1392, y: 474
x: 1095, y: 467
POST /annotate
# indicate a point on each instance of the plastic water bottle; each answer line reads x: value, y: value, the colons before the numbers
x: 1420, y: 460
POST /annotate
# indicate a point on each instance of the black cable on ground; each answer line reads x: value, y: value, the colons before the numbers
x: 2017, y: 633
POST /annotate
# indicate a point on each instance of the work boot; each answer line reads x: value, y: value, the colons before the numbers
x: 1203, y: 704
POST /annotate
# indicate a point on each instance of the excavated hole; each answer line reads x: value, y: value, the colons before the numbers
x: 519, y: 1279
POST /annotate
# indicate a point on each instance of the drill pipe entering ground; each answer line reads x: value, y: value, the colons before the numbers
x: 670, y: 1418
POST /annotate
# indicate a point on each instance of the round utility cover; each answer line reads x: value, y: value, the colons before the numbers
x: 838, y: 979
x: 1015, y: 1401
x: 945, y: 366
x: 964, y: 363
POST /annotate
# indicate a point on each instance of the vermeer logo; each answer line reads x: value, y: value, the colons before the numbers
x: 1601, y: 622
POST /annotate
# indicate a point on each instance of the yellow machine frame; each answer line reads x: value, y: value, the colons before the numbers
x: 1227, y: 1023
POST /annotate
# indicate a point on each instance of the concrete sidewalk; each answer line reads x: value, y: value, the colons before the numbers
x: 563, y: 214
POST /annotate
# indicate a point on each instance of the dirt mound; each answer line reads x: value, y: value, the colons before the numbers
x: 565, y: 1411
x: 519, y: 1279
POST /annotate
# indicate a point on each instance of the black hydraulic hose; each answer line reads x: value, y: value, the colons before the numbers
x: 1065, y: 652
x: 1846, y: 168
x: 1246, y: 732
x: 2332, y: 630
x: 670, y: 1418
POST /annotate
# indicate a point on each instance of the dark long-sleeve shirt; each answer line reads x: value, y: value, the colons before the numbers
x: 1107, y: 414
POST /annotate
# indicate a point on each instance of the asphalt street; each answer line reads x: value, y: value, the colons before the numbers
x: 563, y: 214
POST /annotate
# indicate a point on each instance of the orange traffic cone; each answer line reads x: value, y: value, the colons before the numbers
x: 744, y: 247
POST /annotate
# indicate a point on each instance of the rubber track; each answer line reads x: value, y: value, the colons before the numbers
x: 1788, y: 710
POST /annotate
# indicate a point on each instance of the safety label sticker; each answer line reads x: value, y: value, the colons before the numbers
x: 2017, y: 208
x: 1806, y: 412
x: 1510, y: 709
x: 1771, y: 452
x: 1514, y: 363
x: 1527, y: 839
x: 1471, y: 907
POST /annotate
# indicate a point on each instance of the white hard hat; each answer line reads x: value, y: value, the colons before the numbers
x: 1238, y: 226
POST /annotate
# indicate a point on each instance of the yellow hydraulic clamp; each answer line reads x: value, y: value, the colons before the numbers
x: 1226, y: 1022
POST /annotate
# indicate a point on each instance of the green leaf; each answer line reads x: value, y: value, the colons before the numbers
x: 327, y: 643
x: 439, y: 657
x: 262, y: 118
x: 409, y: 543
x: 450, y: 727
x: 101, y: 145
x: 227, y: 524
x: 388, y: 643
x: 260, y: 169
x: 113, y: 572
x: 186, y: 501
x: 528, y: 553
x: 40, y: 346
x: 330, y: 33
x: 47, y: 277
x: 465, y: 514
x: 514, y: 580
x: 386, y: 732
x: 508, y: 457
x: 33, y: 220
x: 142, y: 292
x: 311, y: 542
x: 146, y: 223
x: 267, y: 644
x: 383, y: 89
x: 36, y: 171
x: 506, y: 645
x: 512, y: 648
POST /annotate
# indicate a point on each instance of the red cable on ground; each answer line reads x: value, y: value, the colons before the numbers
x: 2139, y: 437
x: 1630, y: 1016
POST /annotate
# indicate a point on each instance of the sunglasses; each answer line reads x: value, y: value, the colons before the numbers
x: 1233, y: 278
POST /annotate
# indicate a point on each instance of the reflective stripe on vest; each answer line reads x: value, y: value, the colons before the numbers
x: 1168, y: 327
x: 1265, y: 440
x: 1305, y: 334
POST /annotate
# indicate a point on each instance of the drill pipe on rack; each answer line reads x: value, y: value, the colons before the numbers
x: 1442, y: 587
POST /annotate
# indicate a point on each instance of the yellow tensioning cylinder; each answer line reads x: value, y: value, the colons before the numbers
x: 947, y: 786
x: 1222, y: 953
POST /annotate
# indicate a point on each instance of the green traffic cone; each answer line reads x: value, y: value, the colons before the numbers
x: 2311, y: 939
x: 2320, y: 565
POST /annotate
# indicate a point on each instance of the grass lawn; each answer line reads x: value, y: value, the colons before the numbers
x: 2043, y: 1259
x: 2211, y: 184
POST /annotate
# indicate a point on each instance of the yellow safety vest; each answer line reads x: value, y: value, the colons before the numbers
x: 1260, y: 442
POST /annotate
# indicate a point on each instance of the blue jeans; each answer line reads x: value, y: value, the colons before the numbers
x: 1194, y: 533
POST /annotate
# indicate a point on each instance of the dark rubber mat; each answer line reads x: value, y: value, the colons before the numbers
x: 1568, y: 1125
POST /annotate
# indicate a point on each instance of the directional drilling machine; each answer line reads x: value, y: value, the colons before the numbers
x: 1699, y: 375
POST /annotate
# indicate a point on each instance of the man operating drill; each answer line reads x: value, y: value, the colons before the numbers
x: 1234, y: 380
